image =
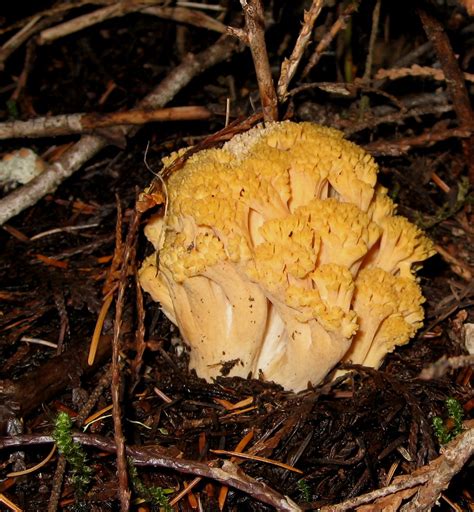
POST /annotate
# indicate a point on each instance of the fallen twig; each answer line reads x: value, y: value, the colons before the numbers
x: 397, y: 117
x: 115, y: 10
x: 88, y: 145
x: 255, y: 28
x: 290, y: 65
x: 81, y: 123
x: 403, y: 145
x: 57, y: 484
x: 416, y: 70
x: 189, y: 16
x: 338, y: 25
x: 430, y: 480
x: 31, y: 27
x: 228, y: 474
x: 179, y: 14
x: 127, y: 260
x: 373, y: 37
x: 454, y: 82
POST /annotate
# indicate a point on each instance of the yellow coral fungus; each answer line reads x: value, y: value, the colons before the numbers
x: 280, y: 256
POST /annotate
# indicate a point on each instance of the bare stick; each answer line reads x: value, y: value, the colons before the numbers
x: 229, y: 474
x: 178, y: 14
x: 127, y: 260
x: 416, y: 70
x: 57, y: 484
x: 88, y: 145
x: 431, y: 479
x: 34, y: 25
x: 189, y: 16
x: 403, y: 145
x: 289, y: 66
x: 454, y: 81
x: 80, y: 123
x: 338, y: 25
x: 92, y: 18
x: 373, y: 37
x: 255, y: 26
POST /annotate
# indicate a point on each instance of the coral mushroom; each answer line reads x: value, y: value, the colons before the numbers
x: 280, y: 256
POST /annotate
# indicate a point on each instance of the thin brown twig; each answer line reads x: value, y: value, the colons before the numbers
x: 33, y: 26
x: 88, y: 145
x: 430, y: 480
x: 228, y: 474
x: 23, y: 78
x: 417, y: 70
x: 89, y: 19
x: 454, y: 81
x: 403, y: 145
x: 372, y: 39
x: 290, y: 65
x: 188, y: 16
x: 118, y: 9
x: 57, y: 484
x: 127, y: 261
x: 396, y: 117
x: 58, y: 10
x: 255, y: 28
x: 81, y: 123
x: 338, y: 25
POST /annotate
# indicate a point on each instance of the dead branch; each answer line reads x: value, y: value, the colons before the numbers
x: 188, y: 16
x: 23, y: 78
x: 57, y: 484
x: 255, y: 27
x: 430, y: 480
x: 454, y: 81
x: 338, y: 25
x: 403, y: 145
x: 228, y: 474
x: 178, y: 14
x: 396, y: 117
x: 373, y: 37
x: 92, y: 18
x: 81, y: 123
x: 290, y: 65
x: 127, y: 260
x: 32, y: 27
x: 416, y: 70
x: 88, y: 145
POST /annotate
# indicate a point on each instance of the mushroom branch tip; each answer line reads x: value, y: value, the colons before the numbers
x: 280, y: 256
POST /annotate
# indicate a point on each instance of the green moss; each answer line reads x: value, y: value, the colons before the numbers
x: 72, y: 452
x: 155, y: 495
x: 455, y: 414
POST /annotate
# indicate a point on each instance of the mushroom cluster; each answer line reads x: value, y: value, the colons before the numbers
x: 280, y: 256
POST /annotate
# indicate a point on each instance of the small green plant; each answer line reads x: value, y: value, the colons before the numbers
x: 455, y: 417
x: 73, y: 453
x: 304, y: 489
x: 155, y: 495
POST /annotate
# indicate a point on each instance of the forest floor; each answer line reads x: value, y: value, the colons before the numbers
x: 398, y: 81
